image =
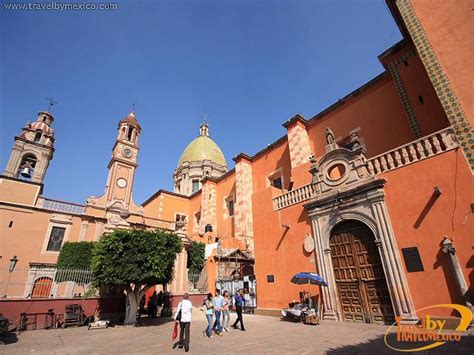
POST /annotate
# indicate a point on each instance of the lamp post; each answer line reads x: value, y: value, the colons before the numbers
x: 11, y: 268
x: 12, y: 265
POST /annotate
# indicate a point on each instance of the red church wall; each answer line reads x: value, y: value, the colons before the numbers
x: 278, y: 251
x: 429, y: 113
x: 376, y: 110
x: 450, y: 32
x: 408, y: 194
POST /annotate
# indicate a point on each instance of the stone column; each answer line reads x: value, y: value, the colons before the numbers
x: 391, y: 261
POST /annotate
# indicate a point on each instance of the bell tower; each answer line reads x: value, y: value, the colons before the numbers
x: 33, y: 150
x: 117, y: 201
x: 123, y: 163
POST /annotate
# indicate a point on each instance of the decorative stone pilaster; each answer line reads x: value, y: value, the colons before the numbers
x: 402, y: 93
x: 208, y: 205
x: 243, y: 205
x: 396, y: 279
x: 451, y: 104
x: 298, y: 141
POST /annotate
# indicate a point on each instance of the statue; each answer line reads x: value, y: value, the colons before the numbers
x: 330, y: 136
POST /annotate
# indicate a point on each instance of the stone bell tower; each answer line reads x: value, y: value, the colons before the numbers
x: 33, y: 150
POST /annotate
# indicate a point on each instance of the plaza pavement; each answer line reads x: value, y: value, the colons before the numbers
x: 264, y: 335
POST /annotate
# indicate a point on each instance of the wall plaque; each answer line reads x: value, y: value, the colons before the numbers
x: 412, y: 259
x: 270, y: 278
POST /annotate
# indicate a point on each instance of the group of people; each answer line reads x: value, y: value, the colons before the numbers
x: 155, y: 302
x: 217, y: 310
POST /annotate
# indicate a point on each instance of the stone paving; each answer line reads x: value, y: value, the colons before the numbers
x: 264, y: 335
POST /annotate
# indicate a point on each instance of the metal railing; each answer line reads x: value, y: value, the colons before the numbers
x: 60, y: 206
x: 415, y: 151
x: 44, y: 281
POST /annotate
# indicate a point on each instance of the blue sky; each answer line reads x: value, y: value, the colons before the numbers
x: 250, y: 65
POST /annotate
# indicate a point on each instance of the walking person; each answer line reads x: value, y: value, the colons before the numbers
x: 218, y: 308
x: 239, y: 303
x: 208, y: 307
x: 226, y: 311
x: 152, y: 304
x: 183, y: 316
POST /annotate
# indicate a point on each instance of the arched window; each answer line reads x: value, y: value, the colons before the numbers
x: 38, y: 135
x: 130, y: 132
x: 42, y: 287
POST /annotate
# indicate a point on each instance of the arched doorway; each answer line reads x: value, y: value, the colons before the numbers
x: 360, y: 279
x: 42, y: 287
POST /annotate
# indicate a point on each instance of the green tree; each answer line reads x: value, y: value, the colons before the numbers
x: 74, y: 261
x: 135, y: 260
x: 196, y: 252
x: 76, y: 255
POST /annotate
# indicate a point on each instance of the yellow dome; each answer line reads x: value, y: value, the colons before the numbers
x: 203, y: 148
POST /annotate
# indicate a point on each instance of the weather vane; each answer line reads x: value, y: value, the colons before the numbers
x: 51, y: 103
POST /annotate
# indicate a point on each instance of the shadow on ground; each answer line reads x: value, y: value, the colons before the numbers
x: 378, y: 346
x: 8, y: 338
x: 150, y: 322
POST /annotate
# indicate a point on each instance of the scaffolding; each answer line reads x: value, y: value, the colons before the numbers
x: 235, y: 270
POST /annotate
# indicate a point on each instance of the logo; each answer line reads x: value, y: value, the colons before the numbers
x: 430, y: 330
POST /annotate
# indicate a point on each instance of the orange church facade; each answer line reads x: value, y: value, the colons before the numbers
x: 374, y: 193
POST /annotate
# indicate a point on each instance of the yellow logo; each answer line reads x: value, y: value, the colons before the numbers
x: 430, y: 329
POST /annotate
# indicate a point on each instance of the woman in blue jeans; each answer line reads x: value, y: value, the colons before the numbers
x: 208, y: 307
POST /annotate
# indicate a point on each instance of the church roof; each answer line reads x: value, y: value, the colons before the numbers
x: 203, y: 148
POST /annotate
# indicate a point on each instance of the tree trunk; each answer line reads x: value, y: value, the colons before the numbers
x: 131, y: 308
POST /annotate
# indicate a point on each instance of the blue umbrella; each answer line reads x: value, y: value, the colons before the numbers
x: 304, y: 278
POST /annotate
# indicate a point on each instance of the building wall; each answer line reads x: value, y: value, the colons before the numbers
x: 408, y: 193
x: 278, y: 251
x: 28, y: 237
x: 450, y: 32
x: 375, y: 110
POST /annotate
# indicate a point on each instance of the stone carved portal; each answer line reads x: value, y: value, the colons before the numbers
x: 354, y: 195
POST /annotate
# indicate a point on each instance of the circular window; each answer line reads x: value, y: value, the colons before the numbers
x: 336, y: 172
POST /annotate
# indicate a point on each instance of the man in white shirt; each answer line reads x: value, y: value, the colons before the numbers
x: 185, y: 309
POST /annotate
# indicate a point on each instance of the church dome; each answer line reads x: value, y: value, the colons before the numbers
x: 203, y: 148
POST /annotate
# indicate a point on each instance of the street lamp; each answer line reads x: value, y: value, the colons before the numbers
x: 11, y: 268
x: 12, y: 265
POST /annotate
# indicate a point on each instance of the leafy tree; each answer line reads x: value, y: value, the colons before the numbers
x: 136, y: 260
x: 75, y: 256
x: 196, y: 253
